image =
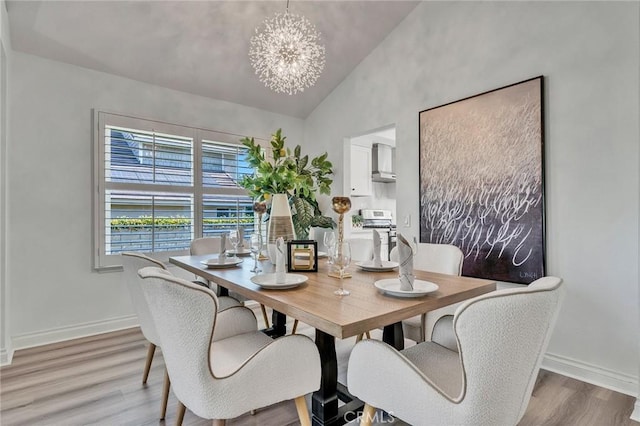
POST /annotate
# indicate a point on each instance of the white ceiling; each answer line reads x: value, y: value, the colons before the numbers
x: 199, y: 47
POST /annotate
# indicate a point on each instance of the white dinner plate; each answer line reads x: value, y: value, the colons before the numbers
x: 391, y: 286
x: 268, y: 281
x: 241, y: 252
x: 322, y: 254
x: 368, y: 265
x: 228, y: 262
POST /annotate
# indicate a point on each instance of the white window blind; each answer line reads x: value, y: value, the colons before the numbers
x: 159, y: 186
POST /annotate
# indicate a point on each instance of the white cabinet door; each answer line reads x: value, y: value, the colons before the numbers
x: 360, y: 171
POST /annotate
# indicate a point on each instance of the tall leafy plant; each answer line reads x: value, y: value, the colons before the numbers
x: 291, y: 173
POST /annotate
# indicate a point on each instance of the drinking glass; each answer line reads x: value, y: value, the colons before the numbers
x: 329, y: 240
x: 256, y: 242
x: 234, y: 240
x: 342, y: 259
x: 330, y: 257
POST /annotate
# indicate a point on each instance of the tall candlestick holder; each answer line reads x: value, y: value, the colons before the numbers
x: 340, y: 205
x: 260, y: 209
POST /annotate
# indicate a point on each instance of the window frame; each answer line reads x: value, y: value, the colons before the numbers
x: 101, y: 119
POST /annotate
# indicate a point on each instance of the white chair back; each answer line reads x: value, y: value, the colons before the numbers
x: 361, y: 249
x: 237, y: 369
x: 205, y: 245
x: 184, y: 315
x: 131, y: 263
x: 502, y: 338
x: 440, y: 258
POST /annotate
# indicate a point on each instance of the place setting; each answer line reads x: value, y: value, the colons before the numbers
x: 280, y: 279
x: 222, y: 260
x: 406, y: 285
x: 377, y: 264
x: 236, y: 238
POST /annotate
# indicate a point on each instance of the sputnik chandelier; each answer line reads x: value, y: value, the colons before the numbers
x: 286, y: 53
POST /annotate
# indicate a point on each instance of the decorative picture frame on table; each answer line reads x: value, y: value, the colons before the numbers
x: 302, y: 256
x: 481, y: 170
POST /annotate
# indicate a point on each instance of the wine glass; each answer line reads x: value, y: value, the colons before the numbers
x: 342, y: 259
x: 329, y: 240
x: 234, y: 240
x: 256, y: 242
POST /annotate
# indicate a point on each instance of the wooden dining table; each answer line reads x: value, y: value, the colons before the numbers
x: 314, y: 303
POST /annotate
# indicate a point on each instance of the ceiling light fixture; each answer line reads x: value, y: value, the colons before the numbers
x: 286, y: 53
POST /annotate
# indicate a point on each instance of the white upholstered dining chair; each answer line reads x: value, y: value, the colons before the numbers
x: 211, y: 245
x: 131, y: 263
x: 220, y: 365
x: 361, y: 249
x: 440, y: 258
x: 479, y: 368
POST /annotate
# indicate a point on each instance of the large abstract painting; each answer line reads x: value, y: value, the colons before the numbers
x: 481, y: 181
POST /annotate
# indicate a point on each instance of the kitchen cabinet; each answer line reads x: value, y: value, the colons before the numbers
x: 360, y: 171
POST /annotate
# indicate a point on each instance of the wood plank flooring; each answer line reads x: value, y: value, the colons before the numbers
x: 98, y: 380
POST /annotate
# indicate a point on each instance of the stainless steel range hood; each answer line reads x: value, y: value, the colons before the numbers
x: 383, y: 158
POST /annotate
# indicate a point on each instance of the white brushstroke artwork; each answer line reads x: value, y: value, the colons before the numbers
x: 481, y: 185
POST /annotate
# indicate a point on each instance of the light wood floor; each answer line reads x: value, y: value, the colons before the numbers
x: 98, y: 380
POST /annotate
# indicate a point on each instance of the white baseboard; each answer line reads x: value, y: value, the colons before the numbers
x: 598, y: 376
x: 60, y: 334
x: 6, y: 356
x: 636, y: 411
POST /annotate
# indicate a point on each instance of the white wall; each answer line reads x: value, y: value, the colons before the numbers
x: 54, y: 292
x: 589, y: 55
x: 6, y: 349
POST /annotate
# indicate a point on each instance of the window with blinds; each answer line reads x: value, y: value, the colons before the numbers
x: 161, y: 185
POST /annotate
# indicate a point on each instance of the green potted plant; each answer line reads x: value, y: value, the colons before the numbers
x: 293, y: 174
x: 357, y: 221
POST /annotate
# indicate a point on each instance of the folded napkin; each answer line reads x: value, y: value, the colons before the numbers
x: 281, y: 270
x: 405, y: 258
x: 377, y: 260
x: 240, y: 239
x: 223, y: 248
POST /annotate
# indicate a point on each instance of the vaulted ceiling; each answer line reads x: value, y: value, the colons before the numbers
x: 199, y: 47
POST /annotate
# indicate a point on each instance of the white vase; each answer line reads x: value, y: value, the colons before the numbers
x: 280, y: 224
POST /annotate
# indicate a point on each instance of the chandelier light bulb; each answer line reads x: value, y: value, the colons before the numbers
x: 286, y: 53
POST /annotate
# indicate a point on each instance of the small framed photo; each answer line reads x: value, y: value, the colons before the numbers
x: 302, y: 255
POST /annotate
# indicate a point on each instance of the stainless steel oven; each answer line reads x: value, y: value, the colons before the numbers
x: 392, y: 238
x: 383, y: 220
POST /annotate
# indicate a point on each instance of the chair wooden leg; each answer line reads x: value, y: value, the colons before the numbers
x: 368, y: 335
x: 368, y: 413
x: 295, y: 327
x: 165, y: 394
x: 147, y: 365
x: 218, y: 422
x: 264, y: 315
x: 303, y: 412
x: 180, y: 414
x: 360, y: 336
x: 423, y: 328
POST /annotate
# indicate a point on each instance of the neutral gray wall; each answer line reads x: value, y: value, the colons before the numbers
x: 589, y: 55
x: 55, y: 293
x: 6, y: 349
